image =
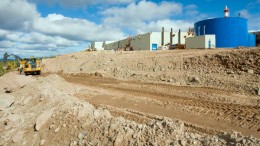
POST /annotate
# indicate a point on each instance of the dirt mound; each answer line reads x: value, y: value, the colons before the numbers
x: 205, y: 87
x: 12, y: 81
x: 46, y: 112
x: 229, y: 62
x: 234, y: 70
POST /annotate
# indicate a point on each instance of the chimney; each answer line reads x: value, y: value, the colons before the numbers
x: 179, y: 37
x: 171, y: 34
x: 162, y: 36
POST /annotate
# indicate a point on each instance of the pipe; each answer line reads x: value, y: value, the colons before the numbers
x: 162, y: 36
x: 171, y: 37
x: 179, y: 37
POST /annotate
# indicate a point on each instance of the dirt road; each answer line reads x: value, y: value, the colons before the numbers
x: 193, y: 105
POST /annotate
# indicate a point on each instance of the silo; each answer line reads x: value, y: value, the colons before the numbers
x: 230, y: 31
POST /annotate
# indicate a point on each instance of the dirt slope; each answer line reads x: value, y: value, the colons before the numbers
x: 236, y: 70
x: 227, y: 111
x: 47, y: 112
x: 180, y: 97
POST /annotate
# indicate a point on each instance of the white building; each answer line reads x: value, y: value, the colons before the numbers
x: 148, y: 41
x: 99, y: 46
x: 201, y: 42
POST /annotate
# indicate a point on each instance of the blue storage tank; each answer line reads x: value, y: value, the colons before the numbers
x: 230, y: 31
x: 251, y: 40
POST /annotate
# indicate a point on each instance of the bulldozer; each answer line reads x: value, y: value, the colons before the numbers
x: 30, y: 66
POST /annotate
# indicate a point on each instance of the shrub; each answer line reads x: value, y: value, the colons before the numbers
x: 11, y: 65
x: 2, y: 71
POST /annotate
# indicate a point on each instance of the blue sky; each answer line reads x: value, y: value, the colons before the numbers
x: 52, y: 27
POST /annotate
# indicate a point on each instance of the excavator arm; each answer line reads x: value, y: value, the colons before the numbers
x: 6, y: 55
x: 5, y: 59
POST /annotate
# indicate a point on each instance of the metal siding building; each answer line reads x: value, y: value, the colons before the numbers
x: 201, y: 42
x: 147, y: 41
x: 97, y: 45
x: 257, y: 35
x: 230, y: 32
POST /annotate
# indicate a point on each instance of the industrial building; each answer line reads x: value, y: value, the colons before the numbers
x: 257, y: 33
x: 230, y: 32
x: 149, y: 41
x: 224, y: 32
x: 99, y: 46
x: 201, y: 42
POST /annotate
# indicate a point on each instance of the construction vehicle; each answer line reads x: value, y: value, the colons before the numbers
x: 26, y: 65
x: 6, y: 55
x: 30, y: 66
x: 6, y: 65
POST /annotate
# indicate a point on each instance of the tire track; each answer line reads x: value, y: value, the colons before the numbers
x: 245, y: 116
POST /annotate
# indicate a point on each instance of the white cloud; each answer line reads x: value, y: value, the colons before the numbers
x: 26, y: 18
x: 142, y: 11
x: 3, y: 34
x: 80, y: 3
x: 245, y: 13
x: 26, y: 42
x: 254, y: 24
x: 76, y: 29
x: 38, y: 47
x: 175, y: 24
x: 143, y: 16
x: 254, y: 4
x: 191, y: 6
x: 251, y: 12
x: 28, y: 53
x: 191, y: 10
x: 16, y: 14
x: 38, y: 38
x: 253, y: 19
x: 25, y: 31
x: 6, y: 44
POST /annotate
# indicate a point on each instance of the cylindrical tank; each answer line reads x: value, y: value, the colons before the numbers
x: 230, y: 31
x: 251, y: 40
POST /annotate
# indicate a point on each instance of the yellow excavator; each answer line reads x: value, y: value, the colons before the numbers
x: 30, y: 66
x: 27, y: 65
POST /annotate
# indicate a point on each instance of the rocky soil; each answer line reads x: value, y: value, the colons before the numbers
x: 236, y: 70
x: 128, y: 98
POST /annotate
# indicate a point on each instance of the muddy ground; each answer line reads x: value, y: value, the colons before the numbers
x: 179, y: 97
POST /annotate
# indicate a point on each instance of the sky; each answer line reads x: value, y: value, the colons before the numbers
x: 52, y: 27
